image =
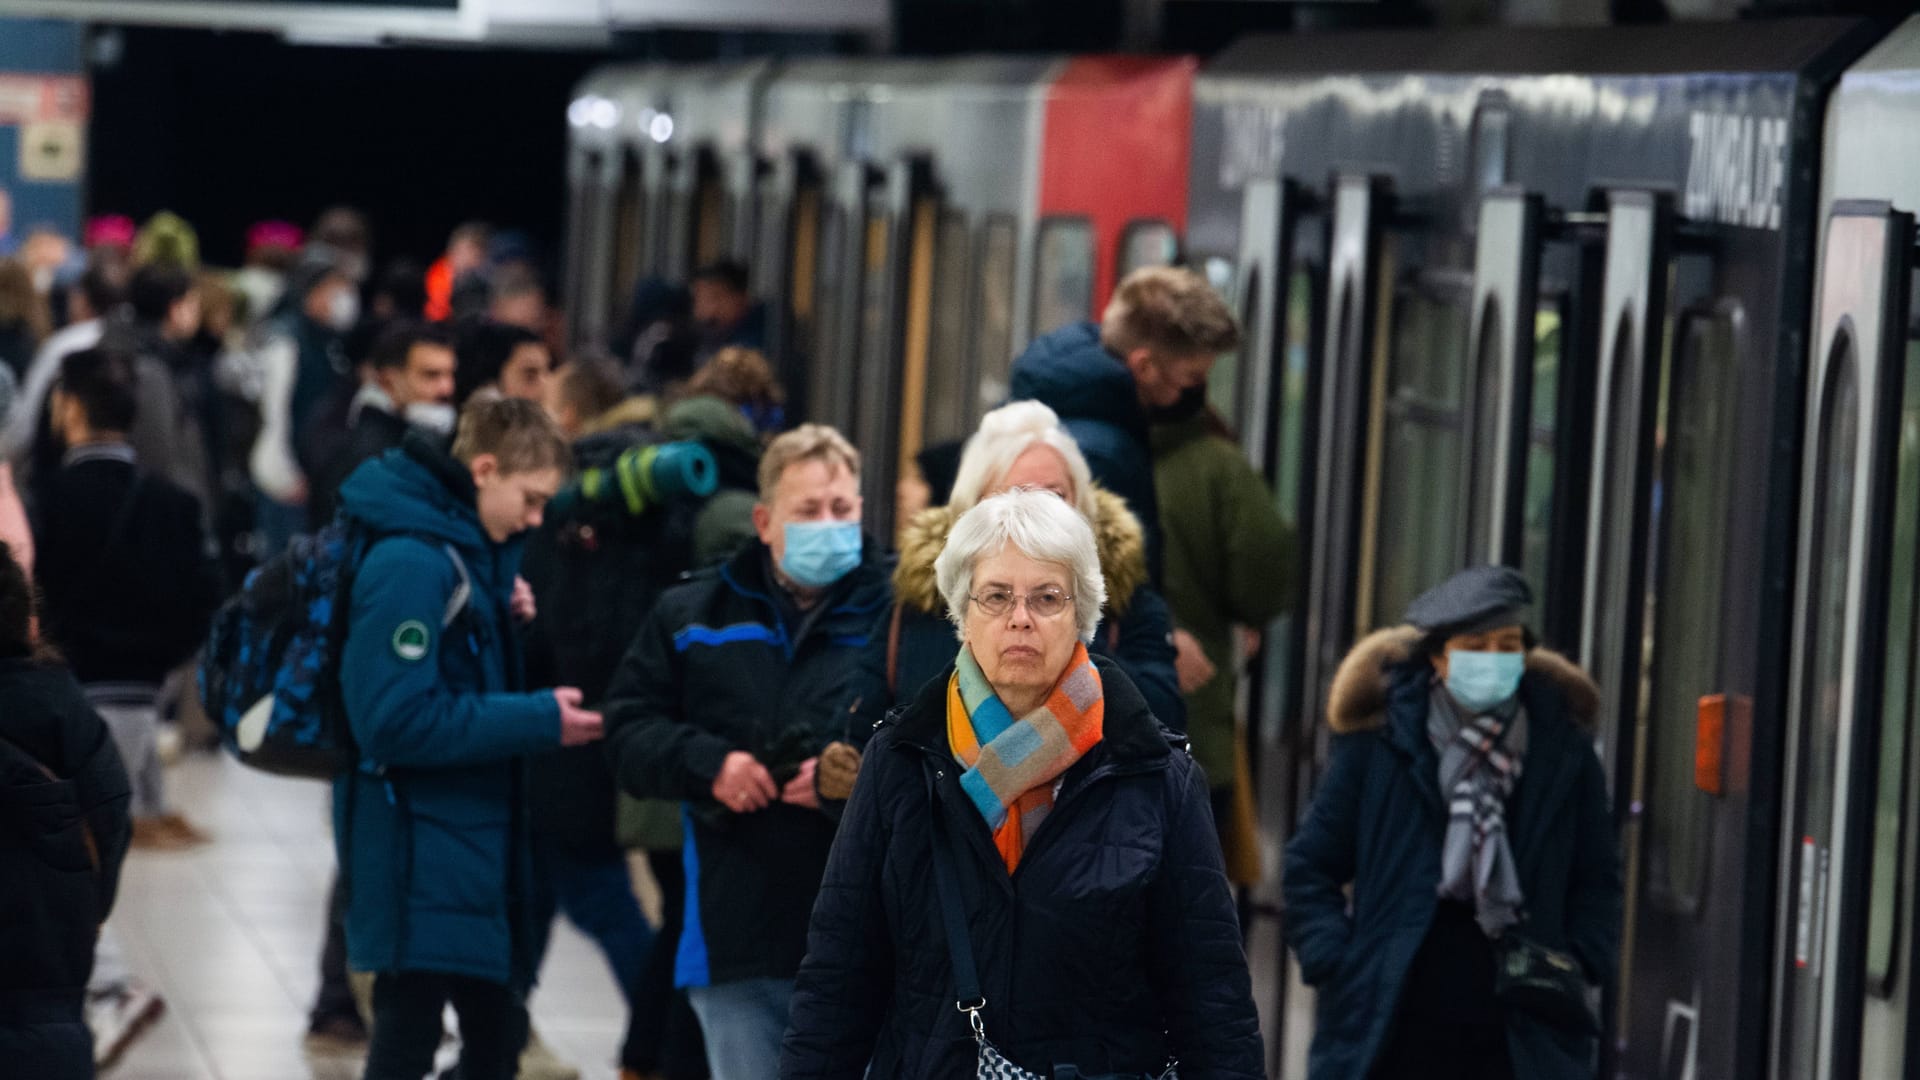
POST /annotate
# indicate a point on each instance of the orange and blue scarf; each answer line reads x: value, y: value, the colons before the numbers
x: 1012, y: 764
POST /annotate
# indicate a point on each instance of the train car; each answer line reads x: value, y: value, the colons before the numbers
x: 1845, y: 946
x: 661, y: 177
x: 1541, y: 297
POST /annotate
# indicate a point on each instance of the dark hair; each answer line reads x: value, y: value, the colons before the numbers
x: 484, y: 349
x: 728, y: 272
x: 103, y: 383
x: 16, y: 606
x: 404, y: 281
x: 104, y: 284
x: 342, y: 228
x: 397, y: 341
x: 519, y: 433
x: 156, y: 288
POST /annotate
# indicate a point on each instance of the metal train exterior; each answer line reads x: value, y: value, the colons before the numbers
x: 1628, y: 308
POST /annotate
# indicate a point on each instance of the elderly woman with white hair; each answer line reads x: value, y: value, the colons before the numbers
x: 1024, y: 445
x: 1026, y: 881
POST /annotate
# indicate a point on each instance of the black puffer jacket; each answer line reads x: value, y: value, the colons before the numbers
x: 1114, y: 948
x: 726, y: 663
x: 62, y: 839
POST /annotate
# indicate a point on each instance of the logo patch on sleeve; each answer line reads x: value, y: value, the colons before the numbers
x: 411, y: 640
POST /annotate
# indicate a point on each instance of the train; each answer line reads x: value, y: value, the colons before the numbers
x: 1629, y: 308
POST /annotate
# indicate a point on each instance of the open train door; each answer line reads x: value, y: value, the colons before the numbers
x: 1839, y: 655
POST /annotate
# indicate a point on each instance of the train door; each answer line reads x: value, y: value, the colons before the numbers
x: 697, y: 225
x: 855, y: 240
x: 628, y: 235
x: 588, y: 250
x: 1840, y: 661
x: 1275, y: 279
x: 796, y: 228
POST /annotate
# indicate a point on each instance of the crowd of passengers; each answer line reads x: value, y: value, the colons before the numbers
x: 971, y: 799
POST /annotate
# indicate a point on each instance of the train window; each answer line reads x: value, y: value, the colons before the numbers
x: 1223, y: 382
x: 823, y: 294
x: 1303, y: 299
x: 1537, y: 523
x: 1487, y: 389
x: 1902, y: 698
x: 1823, y: 694
x: 875, y: 314
x: 993, y: 299
x: 1148, y: 243
x: 1421, y: 518
x: 949, y: 389
x: 1063, y: 274
x: 629, y: 240
x: 1695, y: 439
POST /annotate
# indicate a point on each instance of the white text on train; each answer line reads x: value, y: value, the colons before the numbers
x: 1736, y: 169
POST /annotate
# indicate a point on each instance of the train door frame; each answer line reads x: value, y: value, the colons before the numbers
x: 1277, y: 228
x: 590, y: 251
x: 1500, y: 347
x: 1858, y: 348
x: 796, y: 241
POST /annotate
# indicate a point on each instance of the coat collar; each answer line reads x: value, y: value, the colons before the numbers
x: 1116, y: 531
x: 1365, y: 681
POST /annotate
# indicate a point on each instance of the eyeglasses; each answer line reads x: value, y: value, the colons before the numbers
x: 1044, y: 604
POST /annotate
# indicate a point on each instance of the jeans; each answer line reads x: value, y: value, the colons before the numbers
x: 135, y: 730
x: 407, y: 1008
x: 743, y: 1023
x: 596, y: 895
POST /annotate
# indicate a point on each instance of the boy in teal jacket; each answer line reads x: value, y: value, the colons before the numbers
x: 432, y: 824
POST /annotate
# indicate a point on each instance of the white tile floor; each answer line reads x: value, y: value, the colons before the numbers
x: 229, y: 934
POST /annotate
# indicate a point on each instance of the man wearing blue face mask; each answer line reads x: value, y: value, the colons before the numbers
x: 736, y: 683
x: 1466, y: 811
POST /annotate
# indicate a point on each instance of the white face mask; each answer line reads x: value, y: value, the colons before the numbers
x: 343, y: 310
x: 435, y: 416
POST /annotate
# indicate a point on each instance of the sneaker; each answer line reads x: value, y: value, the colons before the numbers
x: 537, y: 1062
x: 152, y: 834
x: 169, y: 743
x: 118, y: 1016
x: 184, y: 831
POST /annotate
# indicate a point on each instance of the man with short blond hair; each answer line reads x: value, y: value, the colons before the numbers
x: 738, y: 681
x: 1155, y: 344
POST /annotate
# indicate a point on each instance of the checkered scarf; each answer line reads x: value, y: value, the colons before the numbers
x: 1012, y: 764
x: 1480, y: 759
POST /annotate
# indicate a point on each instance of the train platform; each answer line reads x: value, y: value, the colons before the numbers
x: 229, y: 934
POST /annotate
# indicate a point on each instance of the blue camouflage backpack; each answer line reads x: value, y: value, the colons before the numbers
x: 270, y: 677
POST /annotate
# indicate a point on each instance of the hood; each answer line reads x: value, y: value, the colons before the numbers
x: 417, y: 489
x: 1072, y: 373
x: 726, y: 433
x: 1122, y: 544
x: 1358, y: 700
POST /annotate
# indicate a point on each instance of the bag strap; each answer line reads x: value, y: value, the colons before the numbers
x: 966, y: 977
x: 462, y: 593
x: 41, y: 767
x: 893, y: 652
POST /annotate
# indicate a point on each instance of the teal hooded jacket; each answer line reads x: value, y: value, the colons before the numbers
x: 432, y: 827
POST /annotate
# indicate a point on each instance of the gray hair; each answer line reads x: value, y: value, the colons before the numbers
x: 1005, y: 434
x: 1040, y: 526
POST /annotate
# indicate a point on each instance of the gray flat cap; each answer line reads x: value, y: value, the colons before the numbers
x: 1470, y: 601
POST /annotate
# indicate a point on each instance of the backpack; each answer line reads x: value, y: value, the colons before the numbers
x: 270, y: 677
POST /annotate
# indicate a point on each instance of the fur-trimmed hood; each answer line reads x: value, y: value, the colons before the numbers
x: 1358, y: 699
x: 1116, y: 532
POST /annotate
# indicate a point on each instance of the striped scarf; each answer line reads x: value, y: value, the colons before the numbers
x: 1012, y: 764
x: 1480, y: 763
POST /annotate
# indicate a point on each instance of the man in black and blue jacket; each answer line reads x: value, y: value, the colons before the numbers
x: 734, y: 687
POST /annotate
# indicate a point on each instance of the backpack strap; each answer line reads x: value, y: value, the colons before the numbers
x: 462, y: 593
x: 893, y: 652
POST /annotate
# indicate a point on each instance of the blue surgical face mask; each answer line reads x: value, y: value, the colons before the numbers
x: 1482, y: 681
x: 819, y: 553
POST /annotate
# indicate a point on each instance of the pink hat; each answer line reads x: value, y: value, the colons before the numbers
x: 280, y: 234
x: 110, y: 230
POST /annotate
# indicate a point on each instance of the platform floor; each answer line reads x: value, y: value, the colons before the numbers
x: 229, y: 934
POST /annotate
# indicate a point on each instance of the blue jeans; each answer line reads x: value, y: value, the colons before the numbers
x: 743, y: 1023
x: 596, y: 895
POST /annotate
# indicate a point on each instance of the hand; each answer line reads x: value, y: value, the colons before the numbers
x: 799, y: 790
x: 1251, y: 641
x: 1190, y: 662
x: 522, y: 605
x: 744, y: 785
x: 578, y: 727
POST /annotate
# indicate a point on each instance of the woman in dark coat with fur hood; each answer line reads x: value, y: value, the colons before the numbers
x: 1465, y: 808
x: 1024, y: 445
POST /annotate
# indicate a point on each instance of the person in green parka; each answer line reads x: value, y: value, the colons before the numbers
x: 1229, y: 563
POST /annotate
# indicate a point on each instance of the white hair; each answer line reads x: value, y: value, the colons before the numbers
x: 1005, y: 434
x: 1041, y: 527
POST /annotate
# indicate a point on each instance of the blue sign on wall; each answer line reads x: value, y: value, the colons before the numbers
x: 43, y: 124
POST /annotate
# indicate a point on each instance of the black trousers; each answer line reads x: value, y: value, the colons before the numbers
x: 663, y: 1035
x: 407, y: 1008
x: 1424, y: 1048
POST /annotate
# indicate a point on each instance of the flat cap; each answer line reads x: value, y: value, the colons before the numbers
x: 1470, y: 601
